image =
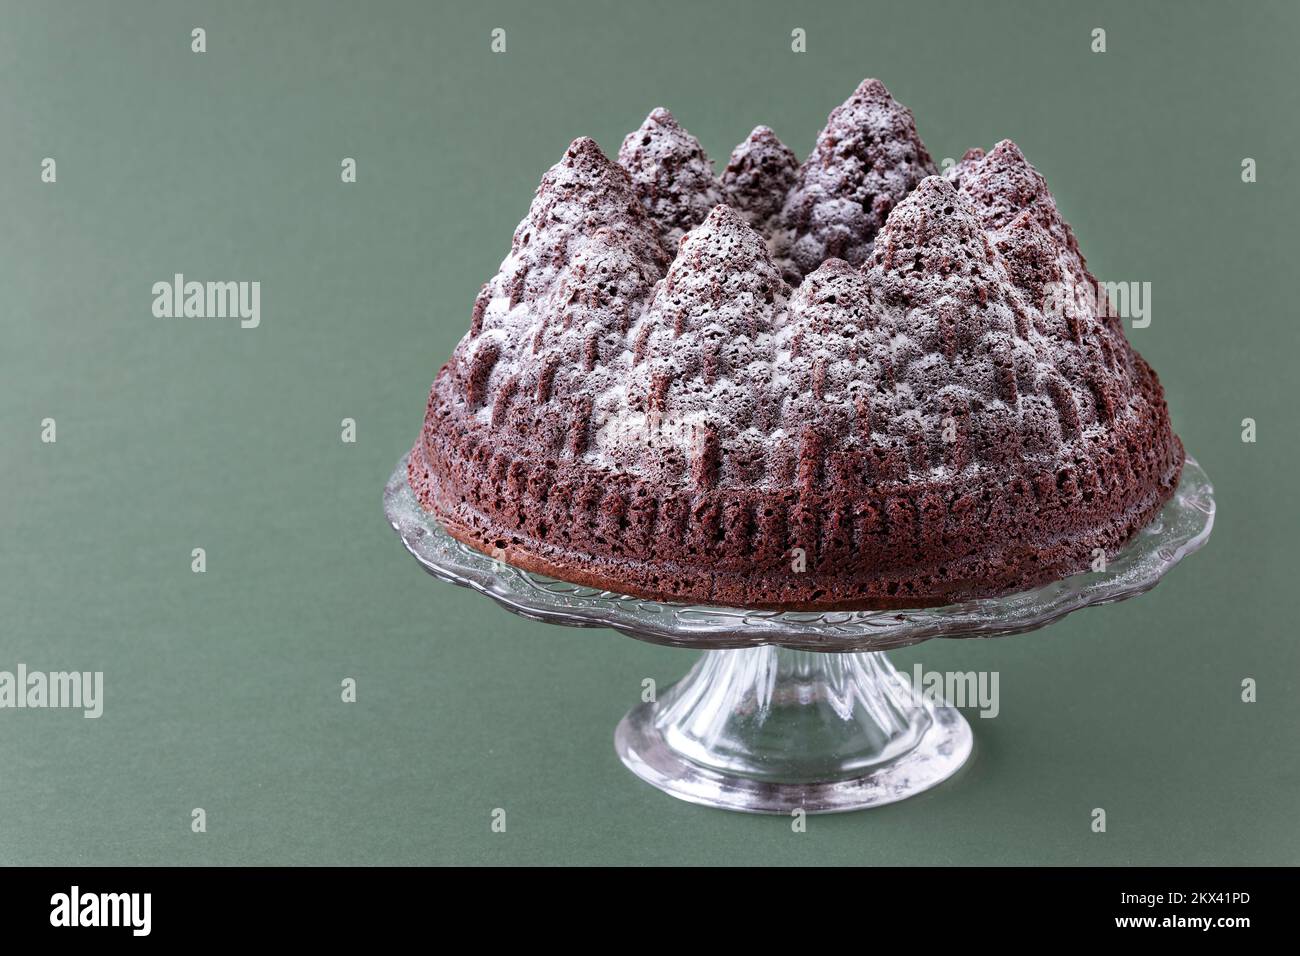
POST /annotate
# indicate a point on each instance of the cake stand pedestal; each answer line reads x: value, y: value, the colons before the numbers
x: 794, y: 710
x: 769, y: 729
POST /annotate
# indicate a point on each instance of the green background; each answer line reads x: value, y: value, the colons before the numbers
x: 223, y: 689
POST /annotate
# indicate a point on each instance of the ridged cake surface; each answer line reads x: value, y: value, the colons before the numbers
x: 845, y: 383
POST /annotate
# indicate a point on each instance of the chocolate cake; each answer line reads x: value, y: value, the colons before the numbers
x: 846, y: 383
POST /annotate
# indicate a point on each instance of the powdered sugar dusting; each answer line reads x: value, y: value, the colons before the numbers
x: 917, y: 347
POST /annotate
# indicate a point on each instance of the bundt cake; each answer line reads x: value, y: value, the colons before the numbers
x: 846, y: 383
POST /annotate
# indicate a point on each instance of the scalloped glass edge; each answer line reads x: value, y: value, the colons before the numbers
x: 1181, y: 528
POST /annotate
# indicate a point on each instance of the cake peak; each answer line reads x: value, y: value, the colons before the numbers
x: 758, y: 176
x: 867, y: 158
x: 835, y: 299
x: 723, y: 219
x: 584, y: 179
x: 1001, y: 185
x: 580, y: 196
x: 723, y: 240
x: 933, y: 253
x: 1002, y: 182
x: 671, y: 174
x: 723, y: 274
x: 663, y: 117
x: 1007, y: 150
x: 934, y: 229
x: 931, y: 191
x: 872, y: 89
x: 584, y: 222
x: 584, y: 151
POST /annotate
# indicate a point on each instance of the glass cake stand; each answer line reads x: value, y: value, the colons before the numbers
x: 792, y: 709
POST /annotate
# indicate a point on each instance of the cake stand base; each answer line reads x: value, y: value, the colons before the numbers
x: 772, y: 730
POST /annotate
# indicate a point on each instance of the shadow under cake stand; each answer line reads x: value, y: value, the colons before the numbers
x: 792, y: 709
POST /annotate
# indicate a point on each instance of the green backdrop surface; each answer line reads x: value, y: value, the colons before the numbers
x: 222, y: 689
